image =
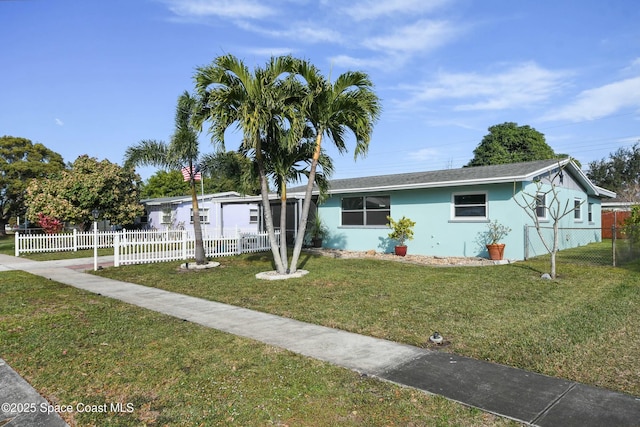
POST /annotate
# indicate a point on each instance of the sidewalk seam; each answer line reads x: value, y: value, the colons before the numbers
x: 553, y: 403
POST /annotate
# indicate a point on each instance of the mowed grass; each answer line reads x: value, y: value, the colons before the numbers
x: 584, y: 326
x: 75, y: 347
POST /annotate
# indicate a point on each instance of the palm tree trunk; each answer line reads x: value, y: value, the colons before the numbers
x: 306, y: 205
x: 283, y: 225
x: 268, y: 218
x: 197, y: 229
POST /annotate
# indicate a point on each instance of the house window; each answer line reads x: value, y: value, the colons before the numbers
x: 166, y: 214
x: 253, y: 215
x: 577, y: 211
x: 204, y: 216
x: 590, y: 212
x: 541, y: 205
x: 368, y: 210
x: 471, y: 205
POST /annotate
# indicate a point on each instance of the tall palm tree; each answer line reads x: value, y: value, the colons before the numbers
x: 333, y: 109
x: 256, y: 103
x: 181, y: 152
x: 285, y: 164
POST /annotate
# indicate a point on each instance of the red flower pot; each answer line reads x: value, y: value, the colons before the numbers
x: 401, y: 250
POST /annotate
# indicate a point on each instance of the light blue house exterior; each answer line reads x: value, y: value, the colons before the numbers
x: 452, y: 209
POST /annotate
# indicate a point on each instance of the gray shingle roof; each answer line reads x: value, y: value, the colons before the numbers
x: 443, y: 178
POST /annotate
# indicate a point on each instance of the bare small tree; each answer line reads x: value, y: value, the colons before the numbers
x: 547, y: 197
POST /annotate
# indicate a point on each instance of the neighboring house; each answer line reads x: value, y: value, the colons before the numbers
x: 217, y: 216
x: 452, y: 207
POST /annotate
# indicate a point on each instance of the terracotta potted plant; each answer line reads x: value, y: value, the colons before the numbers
x: 317, y: 230
x: 401, y: 231
x: 496, y: 233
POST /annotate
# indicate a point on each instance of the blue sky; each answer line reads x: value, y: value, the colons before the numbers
x: 94, y: 77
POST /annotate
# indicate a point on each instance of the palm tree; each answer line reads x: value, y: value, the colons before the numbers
x: 285, y: 164
x: 256, y: 103
x: 181, y: 152
x: 349, y: 104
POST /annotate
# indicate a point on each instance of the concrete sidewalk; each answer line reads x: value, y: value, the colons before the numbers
x: 513, y: 393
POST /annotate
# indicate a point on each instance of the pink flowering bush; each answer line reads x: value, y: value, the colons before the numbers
x: 49, y: 224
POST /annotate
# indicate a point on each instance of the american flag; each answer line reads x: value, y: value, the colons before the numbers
x: 186, y: 174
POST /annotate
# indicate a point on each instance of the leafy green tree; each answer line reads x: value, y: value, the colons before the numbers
x: 510, y: 143
x: 21, y: 161
x: 165, y: 184
x: 348, y: 105
x: 182, y: 151
x: 256, y: 103
x: 221, y: 171
x: 619, y: 173
x: 229, y: 171
x: 89, y: 184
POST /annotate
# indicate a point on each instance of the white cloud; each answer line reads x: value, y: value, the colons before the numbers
x: 424, y: 154
x: 518, y: 86
x: 59, y: 122
x: 304, y: 32
x: 603, y: 101
x: 223, y: 8
x: 275, y: 51
x: 421, y: 36
x: 371, y: 9
x: 359, y: 63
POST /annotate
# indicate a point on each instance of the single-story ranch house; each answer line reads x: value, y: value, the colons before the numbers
x: 452, y: 208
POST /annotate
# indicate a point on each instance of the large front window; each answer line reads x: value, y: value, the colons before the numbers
x: 366, y: 210
x: 470, y: 206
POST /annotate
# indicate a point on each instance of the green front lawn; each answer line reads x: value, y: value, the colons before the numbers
x: 585, y: 326
x: 79, y: 348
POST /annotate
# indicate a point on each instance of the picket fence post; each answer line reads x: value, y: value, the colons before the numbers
x: 184, y: 244
x: 17, y: 244
x: 116, y: 250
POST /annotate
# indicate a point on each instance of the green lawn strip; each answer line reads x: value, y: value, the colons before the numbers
x: 78, y: 348
x: 505, y: 314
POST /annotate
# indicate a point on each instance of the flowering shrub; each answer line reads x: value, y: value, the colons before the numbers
x: 49, y: 224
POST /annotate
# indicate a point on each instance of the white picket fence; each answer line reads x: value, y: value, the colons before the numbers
x: 146, y: 246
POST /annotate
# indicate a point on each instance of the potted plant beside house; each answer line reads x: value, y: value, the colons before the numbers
x: 401, y: 231
x: 496, y: 233
x: 317, y: 231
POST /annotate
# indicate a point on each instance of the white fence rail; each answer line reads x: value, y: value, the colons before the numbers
x: 138, y: 247
x: 74, y: 241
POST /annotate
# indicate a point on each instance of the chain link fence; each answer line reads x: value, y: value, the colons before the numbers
x: 585, y: 245
x: 626, y: 244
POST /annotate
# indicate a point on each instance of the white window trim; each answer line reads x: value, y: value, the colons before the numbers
x: 546, y: 208
x: 257, y: 215
x: 166, y: 214
x: 578, y: 209
x: 204, y: 215
x: 470, y: 218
